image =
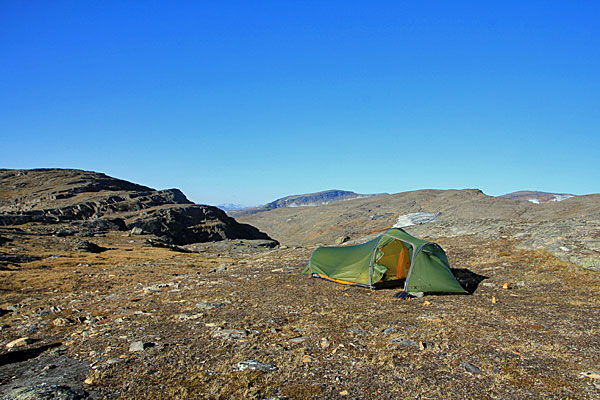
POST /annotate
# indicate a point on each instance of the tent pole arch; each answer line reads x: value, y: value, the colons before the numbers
x: 412, y: 264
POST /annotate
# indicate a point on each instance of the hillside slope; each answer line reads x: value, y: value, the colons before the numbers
x: 569, y: 229
x: 537, y: 197
x: 73, y: 202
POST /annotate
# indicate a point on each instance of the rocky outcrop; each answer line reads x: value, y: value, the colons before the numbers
x: 101, y: 205
x: 91, y: 202
x: 186, y: 224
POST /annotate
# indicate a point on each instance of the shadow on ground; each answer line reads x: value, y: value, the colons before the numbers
x: 24, y: 355
x: 468, y: 279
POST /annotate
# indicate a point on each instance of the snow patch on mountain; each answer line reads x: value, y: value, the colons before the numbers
x: 561, y: 197
x: 416, y: 219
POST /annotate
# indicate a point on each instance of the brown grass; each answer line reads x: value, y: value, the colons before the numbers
x: 532, y: 343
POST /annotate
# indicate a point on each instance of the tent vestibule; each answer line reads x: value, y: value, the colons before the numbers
x: 389, y: 259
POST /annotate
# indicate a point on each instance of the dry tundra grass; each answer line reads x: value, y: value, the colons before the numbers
x: 326, y: 340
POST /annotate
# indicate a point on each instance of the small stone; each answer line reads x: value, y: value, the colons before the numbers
x: 387, y: 331
x: 140, y: 346
x: 324, y: 343
x: 406, y: 342
x: 189, y: 316
x: 223, y: 267
x: 19, y: 342
x: 136, y: 230
x: 299, y: 339
x: 32, y: 328
x: 470, y: 367
x: 426, y: 345
x: 342, y: 239
x: 230, y: 334
x: 48, y: 367
x: 254, y: 365
x: 357, y: 331
x: 590, y: 374
x: 152, y: 289
x: 432, y: 318
x: 61, y: 321
x: 208, y: 305
x: 307, y: 359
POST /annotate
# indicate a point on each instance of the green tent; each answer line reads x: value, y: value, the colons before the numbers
x: 386, y: 261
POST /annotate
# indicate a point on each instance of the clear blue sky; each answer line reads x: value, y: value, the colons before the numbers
x: 249, y: 101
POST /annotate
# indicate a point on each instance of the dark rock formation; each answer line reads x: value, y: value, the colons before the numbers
x: 91, y: 202
x: 185, y: 224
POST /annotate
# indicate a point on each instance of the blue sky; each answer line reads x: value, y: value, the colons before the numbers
x: 249, y: 101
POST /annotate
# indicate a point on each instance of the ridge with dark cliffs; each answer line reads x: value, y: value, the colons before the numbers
x: 90, y: 202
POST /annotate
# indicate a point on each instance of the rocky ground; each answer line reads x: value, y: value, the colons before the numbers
x: 116, y: 315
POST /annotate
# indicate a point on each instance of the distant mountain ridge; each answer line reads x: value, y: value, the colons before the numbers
x: 304, y: 200
x: 331, y: 196
x: 537, y: 197
x: 232, y: 206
